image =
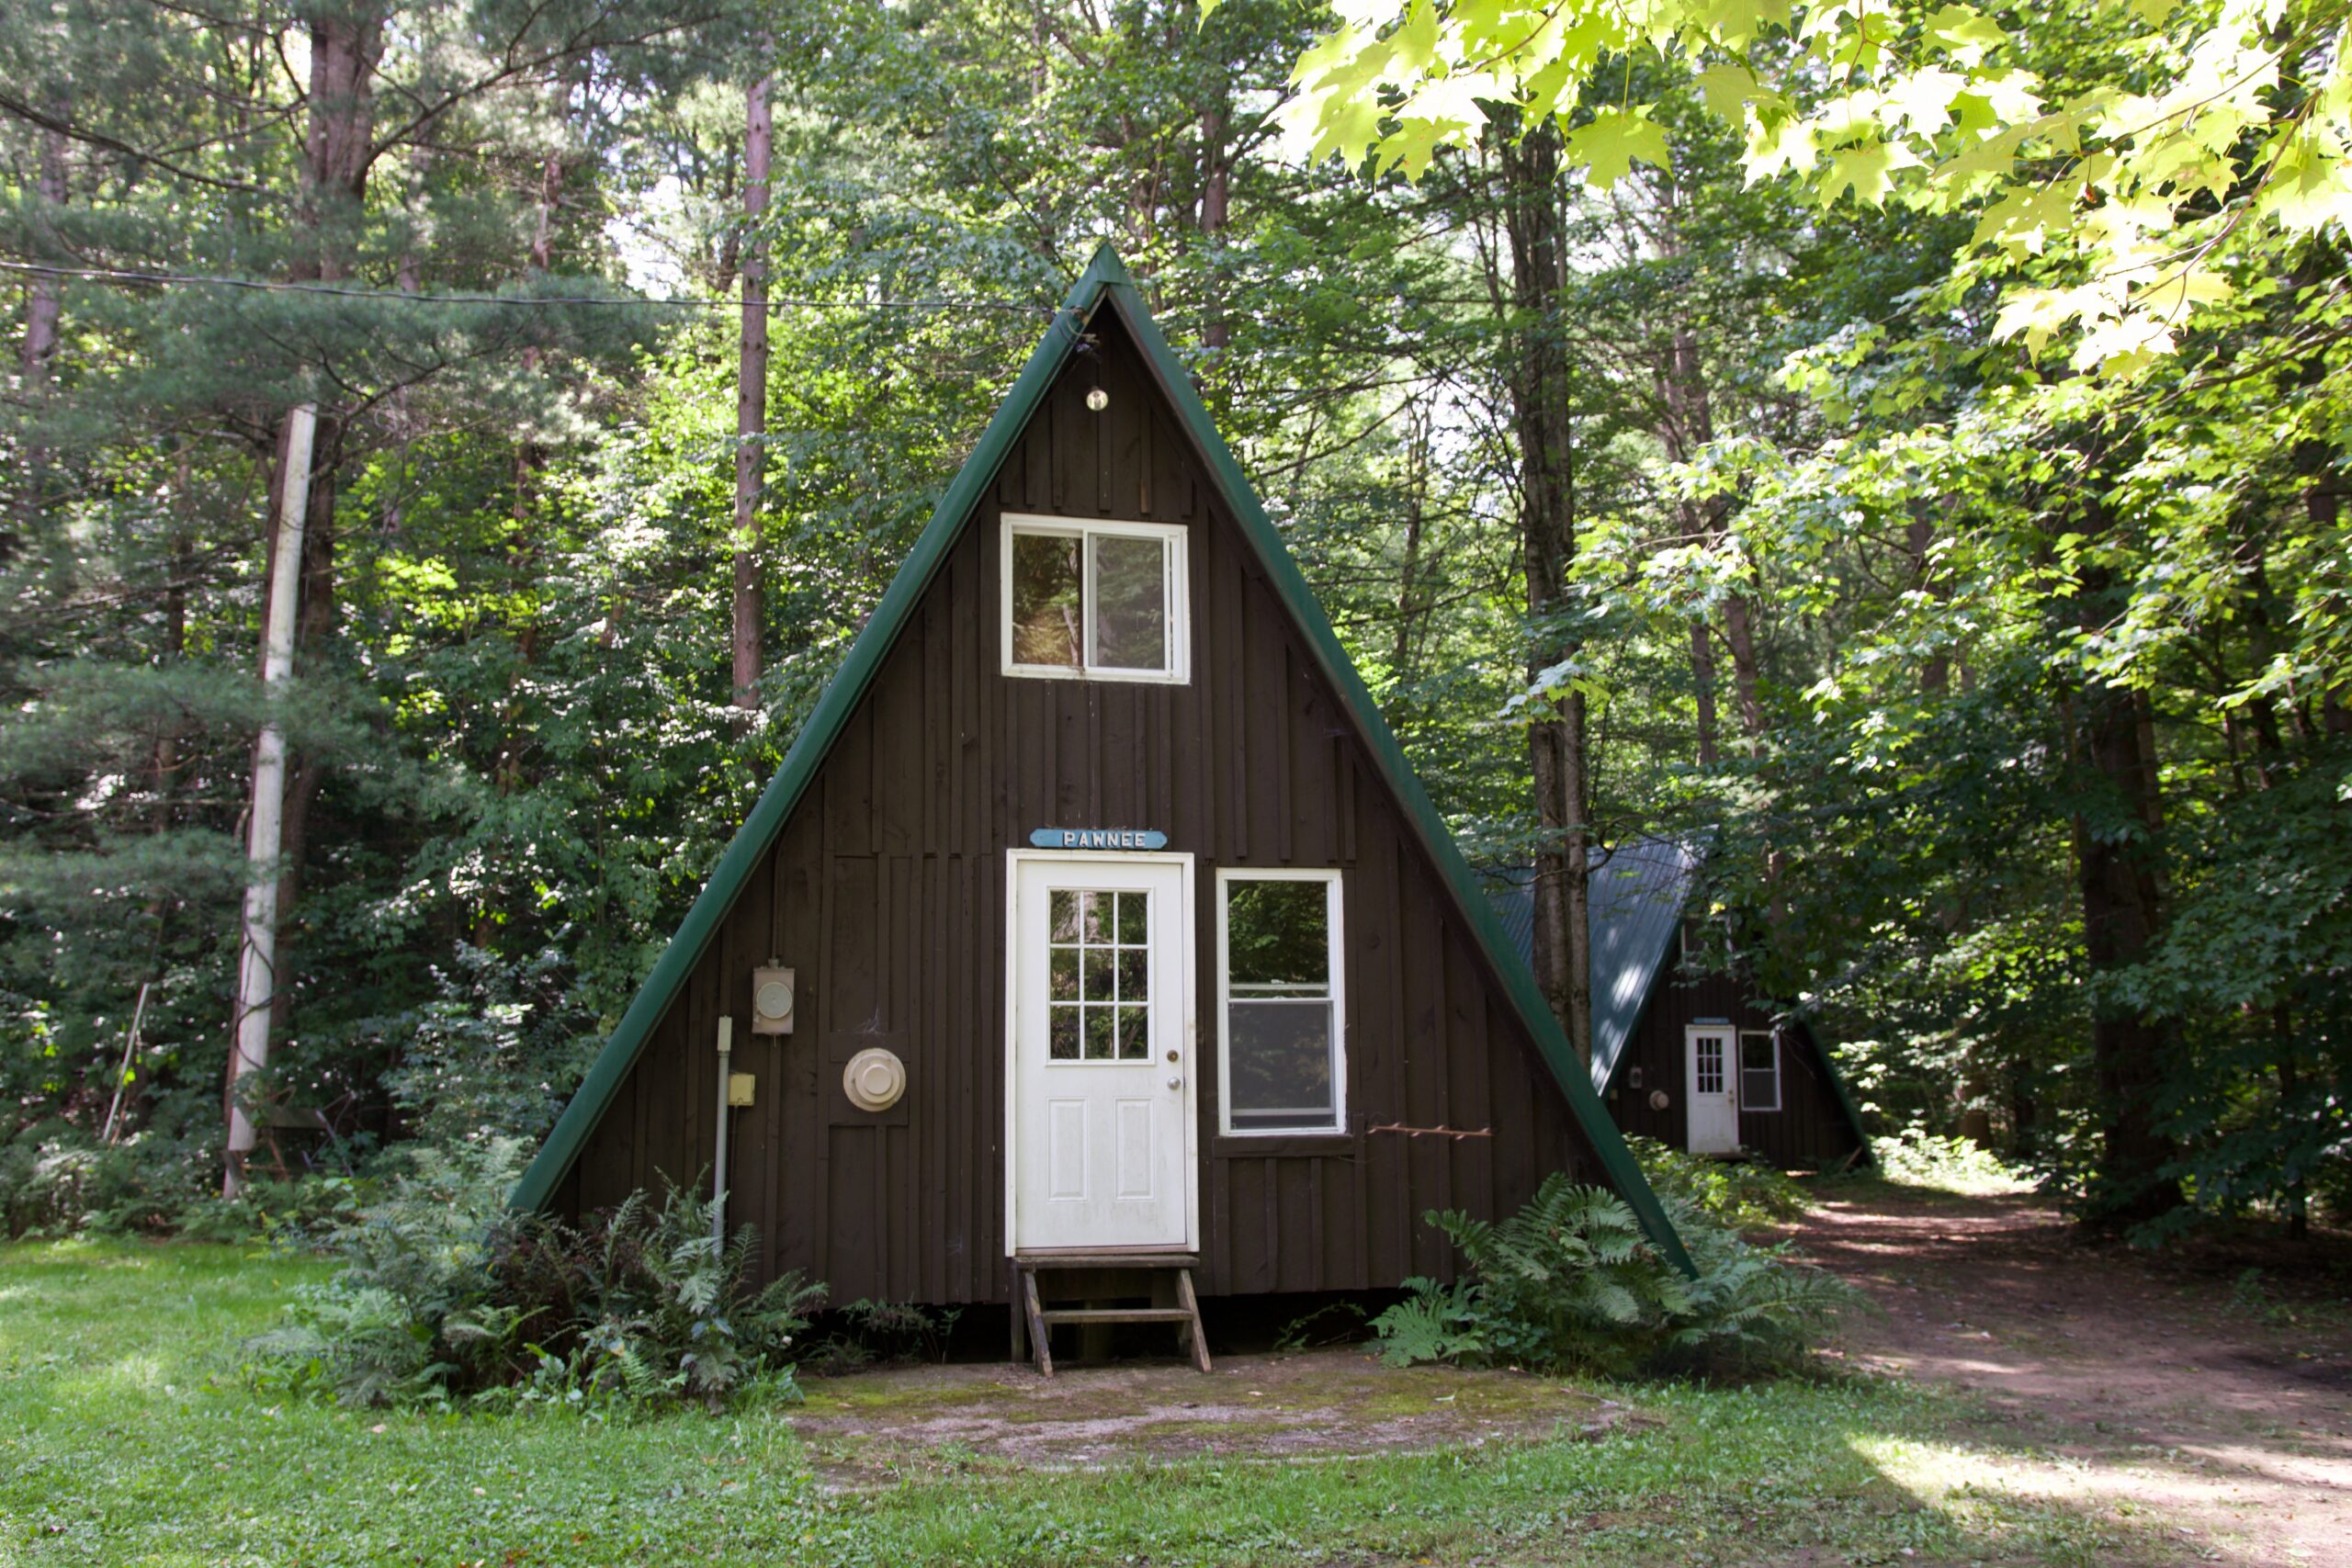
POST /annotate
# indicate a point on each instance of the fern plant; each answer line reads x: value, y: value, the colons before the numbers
x: 1436, y: 1322
x: 445, y: 1295
x: 1573, y: 1281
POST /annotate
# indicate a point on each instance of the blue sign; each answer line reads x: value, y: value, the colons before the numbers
x: 1098, y: 838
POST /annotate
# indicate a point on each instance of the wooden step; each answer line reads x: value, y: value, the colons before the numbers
x: 1031, y: 1320
x: 1116, y: 1315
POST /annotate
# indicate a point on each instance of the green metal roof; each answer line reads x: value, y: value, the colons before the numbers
x: 1104, y: 285
x: 1636, y: 894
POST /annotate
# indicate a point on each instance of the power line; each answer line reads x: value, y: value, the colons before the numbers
x: 127, y: 277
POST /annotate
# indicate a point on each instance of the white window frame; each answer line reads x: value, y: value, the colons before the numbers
x: 1334, y: 903
x: 1177, y: 581
x: 1772, y: 1036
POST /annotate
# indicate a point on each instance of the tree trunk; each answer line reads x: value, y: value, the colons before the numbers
x: 1555, y: 739
x: 1403, y: 656
x: 2118, y: 869
x: 1739, y: 639
x: 1687, y: 425
x: 44, y: 312
x: 507, y: 774
x: 752, y: 405
x: 1702, y: 681
x: 1217, y: 200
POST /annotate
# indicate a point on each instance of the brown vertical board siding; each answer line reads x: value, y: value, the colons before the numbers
x: 744, y: 944
x: 1391, y: 1175
x: 899, y: 811
x: 885, y: 892
x: 1471, y: 1067
x: 1265, y: 704
x: 1810, y: 1129
x: 1036, y: 463
x: 1127, y: 490
x: 1421, y: 961
x: 1313, y: 795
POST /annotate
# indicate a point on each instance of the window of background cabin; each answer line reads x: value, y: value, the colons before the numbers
x: 1094, y: 601
x: 1281, y: 1062
x: 1759, y: 1070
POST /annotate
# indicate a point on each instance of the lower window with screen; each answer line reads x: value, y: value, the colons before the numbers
x: 1283, y: 1066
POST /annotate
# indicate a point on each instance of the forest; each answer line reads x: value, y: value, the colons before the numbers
x: 1902, y: 448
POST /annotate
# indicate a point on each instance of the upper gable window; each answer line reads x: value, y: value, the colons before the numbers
x: 1094, y: 601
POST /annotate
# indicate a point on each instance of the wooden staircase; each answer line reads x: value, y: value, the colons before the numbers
x: 1090, y: 1275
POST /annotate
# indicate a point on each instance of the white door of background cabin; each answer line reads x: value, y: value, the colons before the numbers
x: 1099, y: 1113
x: 1709, y: 1089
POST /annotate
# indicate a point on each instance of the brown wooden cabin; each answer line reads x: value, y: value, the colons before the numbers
x: 1094, y: 912
x: 1670, y: 1036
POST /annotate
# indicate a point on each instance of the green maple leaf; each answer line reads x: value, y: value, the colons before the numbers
x: 1964, y: 34
x: 1727, y: 89
x: 1609, y: 146
x: 1867, y: 171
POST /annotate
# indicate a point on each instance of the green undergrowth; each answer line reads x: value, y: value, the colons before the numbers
x: 1958, y: 1167
x: 1745, y: 1195
x: 128, y: 1436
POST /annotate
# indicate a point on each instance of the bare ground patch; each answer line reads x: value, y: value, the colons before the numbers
x: 2124, y: 1382
x: 870, y: 1427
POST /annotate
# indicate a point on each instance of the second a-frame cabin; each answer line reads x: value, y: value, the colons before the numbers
x: 1686, y: 1048
x: 1093, y: 917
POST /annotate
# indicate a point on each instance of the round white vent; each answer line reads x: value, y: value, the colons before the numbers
x: 874, y: 1079
x: 1658, y: 1100
x: 773, y: 999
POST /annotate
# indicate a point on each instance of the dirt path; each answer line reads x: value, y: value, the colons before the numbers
x: 2168, y: 1385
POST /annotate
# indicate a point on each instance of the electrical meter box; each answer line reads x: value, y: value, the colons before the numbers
x: 771, y: 988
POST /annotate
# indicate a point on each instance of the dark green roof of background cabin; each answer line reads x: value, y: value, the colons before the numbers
x: 1106, y: 285
x: 1638, y: 892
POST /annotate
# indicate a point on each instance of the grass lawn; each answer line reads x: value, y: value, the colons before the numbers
x: 129, y: 1436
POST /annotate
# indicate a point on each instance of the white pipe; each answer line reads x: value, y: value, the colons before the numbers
x: 257, y: 955
x: 718, y: 1177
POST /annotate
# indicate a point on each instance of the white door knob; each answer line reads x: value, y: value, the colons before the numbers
x: 1175, y: 1083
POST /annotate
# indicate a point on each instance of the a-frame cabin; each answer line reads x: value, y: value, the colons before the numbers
x: 1115, y: 921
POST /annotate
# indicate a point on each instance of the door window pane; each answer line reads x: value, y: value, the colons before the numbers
x: 1130, y: 602
x: 1098, y: 975
x: 1282, y: 1005
x: 1048, y: 600
x: 1134, y: 1033
x: 1708, y: 1067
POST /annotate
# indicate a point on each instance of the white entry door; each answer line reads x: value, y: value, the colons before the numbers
x: 1100, y: 1111
x: 1710, y: 1089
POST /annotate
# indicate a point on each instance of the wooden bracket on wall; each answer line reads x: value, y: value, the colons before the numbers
x: 1433, y: 1132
